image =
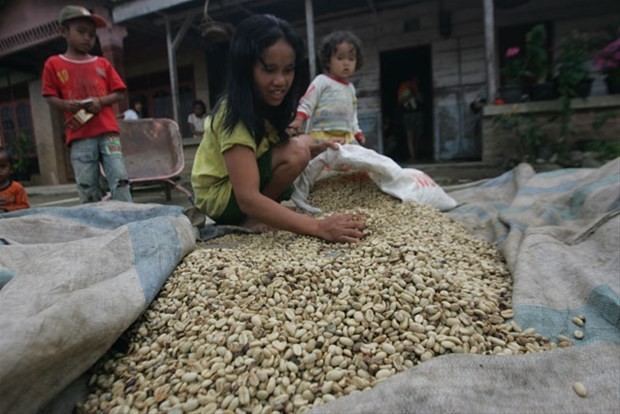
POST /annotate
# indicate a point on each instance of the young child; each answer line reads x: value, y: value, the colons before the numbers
x: 246, y: 164
x: 411, y: 101
x: 12, y: 194
x: 330, y: 103
x: 134, y: 112
x: 85, y: 87
x: 197, y: 118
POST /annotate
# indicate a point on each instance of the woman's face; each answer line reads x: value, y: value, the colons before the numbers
x: 274, y: 72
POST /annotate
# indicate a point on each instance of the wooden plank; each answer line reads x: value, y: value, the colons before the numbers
x: 138, y: 8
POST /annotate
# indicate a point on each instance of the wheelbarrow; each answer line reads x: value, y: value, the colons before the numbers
x: 153, y: 154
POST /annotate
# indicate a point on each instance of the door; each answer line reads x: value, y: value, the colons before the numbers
x: 397, y: 66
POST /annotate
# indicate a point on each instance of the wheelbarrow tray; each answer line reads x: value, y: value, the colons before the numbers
x: 152, y: 149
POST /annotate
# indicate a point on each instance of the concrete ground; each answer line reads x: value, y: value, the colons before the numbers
x: 445, y: 174
x: 66, y: 195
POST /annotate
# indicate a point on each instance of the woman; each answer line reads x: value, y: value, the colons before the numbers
x: 247, y: 163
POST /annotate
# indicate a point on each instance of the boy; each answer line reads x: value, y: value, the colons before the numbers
x: 85, y: 87
x: 12, y: 194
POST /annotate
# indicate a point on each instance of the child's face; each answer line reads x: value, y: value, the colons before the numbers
x: 274, y: 72
x: 198, y: 110
x: 343, y: 61
x: 81, y: 36
x: 5, y: 168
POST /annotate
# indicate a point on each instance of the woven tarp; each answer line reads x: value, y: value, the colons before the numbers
x: 79, y: 277
x: 560, y: 234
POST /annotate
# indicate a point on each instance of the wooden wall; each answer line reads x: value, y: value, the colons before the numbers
x: 458, y: 65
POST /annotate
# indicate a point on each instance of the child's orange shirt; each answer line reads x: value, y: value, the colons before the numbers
x: 13, y: 197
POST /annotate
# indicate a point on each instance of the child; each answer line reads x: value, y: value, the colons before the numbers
x: 197, y: 118
x: 330, y: 104
x: 12, y: 194
x: 247, y: 163
x: 134, y: 112
x: 411, y: 100
x: 85, y: 87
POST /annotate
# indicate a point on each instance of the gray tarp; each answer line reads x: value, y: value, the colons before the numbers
x: 84, y: 274
x: 560, y: 234
x: 81, y: 276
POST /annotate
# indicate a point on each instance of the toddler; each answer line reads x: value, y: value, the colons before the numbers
x: 12, y: 194
x: 330, y: 103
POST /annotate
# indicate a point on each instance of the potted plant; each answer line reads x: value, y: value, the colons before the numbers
x: 512, y: 89
x: 533, y: 142
x: 608, y: 61
x: 537, y: 64
x: 572, y: 71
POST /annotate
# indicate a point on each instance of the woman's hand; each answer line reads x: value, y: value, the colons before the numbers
x: 342, y: 228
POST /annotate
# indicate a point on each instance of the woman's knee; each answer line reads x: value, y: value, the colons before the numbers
x: 296, y: 153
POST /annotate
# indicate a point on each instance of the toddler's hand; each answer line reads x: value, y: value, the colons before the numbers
x: 361, y: 139
x: 318, y: 147
x: 293, y: 128
x: 292, y: 132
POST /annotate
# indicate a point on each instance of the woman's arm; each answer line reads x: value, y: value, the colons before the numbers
x: 244, y: 176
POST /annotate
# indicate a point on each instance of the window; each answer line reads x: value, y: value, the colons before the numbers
x: 162, y: 104
x: 17, y: 134
x: 15, y: 119
x: 9, y: 130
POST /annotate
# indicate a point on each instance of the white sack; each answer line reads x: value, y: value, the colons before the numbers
x: 406, y: 184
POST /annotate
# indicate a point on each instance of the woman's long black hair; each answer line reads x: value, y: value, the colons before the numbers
x: 243, y: 102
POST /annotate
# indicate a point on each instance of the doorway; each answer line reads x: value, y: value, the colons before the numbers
x: 397, y: 66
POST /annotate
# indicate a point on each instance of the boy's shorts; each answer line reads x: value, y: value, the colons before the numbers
x: 232, y: 213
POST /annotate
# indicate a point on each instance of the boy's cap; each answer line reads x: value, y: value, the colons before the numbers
x: 77, y: 12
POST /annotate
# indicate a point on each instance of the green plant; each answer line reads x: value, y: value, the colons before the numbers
x: 22, y: 150
x: 571, y: 71
x: 605, y: 150
x: 536, y: 55
x: 533, y: 140
x: 572, y: 63
x: 599, y: 120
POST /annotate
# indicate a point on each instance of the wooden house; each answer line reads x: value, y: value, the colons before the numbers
x: 169, y: 55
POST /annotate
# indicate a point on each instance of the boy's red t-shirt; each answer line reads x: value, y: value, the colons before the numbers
x: 68, y: 78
